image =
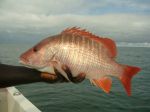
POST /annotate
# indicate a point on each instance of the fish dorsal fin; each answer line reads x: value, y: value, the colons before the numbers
x: 107, y: 42
x: 110, y: 44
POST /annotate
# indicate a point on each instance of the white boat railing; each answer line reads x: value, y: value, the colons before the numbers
x: 11, y: 100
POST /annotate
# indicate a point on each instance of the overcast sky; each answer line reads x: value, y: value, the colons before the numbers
x: 32, y: 20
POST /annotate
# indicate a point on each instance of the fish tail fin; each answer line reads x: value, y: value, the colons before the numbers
x: 128, y: 73
x: 104, y: 83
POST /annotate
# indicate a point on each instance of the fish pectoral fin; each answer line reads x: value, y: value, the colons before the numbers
x: 104, y: 83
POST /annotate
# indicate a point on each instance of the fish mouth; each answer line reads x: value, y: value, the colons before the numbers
x: 22, y: 62
x: 30, y: 65
x: 25, y: 64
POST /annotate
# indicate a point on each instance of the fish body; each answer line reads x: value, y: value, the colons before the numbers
x: 85, y: 55
x: 82, y: 52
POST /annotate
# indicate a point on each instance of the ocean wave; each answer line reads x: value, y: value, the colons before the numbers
x: 126, y: 44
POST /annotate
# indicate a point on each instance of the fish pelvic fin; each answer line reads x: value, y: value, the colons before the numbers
x: 128, y: 73
x: 104, y: 83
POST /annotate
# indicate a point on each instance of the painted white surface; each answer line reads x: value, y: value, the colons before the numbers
x: 3, y: 100
x: 11, y: 100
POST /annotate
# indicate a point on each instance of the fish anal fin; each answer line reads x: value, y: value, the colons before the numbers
x: 107, y: 42
x: 104, y: 83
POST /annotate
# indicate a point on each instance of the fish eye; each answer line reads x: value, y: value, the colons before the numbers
x: 35, y: 49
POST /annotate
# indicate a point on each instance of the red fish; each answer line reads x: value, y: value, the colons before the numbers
x: 85, y: 54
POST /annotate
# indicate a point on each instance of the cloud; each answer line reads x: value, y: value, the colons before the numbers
x: 115, y: 25
x: 48, y: 7
x: 138, y: 4
x: 31, y: 18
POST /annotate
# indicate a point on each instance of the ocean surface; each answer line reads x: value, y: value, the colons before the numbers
x: 84, y: 97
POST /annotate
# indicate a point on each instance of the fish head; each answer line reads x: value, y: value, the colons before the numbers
x: 34, y: 57
x: 39, y: 56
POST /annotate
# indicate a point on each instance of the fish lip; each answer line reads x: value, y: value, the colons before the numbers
x: 29, y: 65
x: 21, y: 62
x: 26, y: 65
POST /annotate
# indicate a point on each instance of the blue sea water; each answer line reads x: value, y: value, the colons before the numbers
x: 83, y: 97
